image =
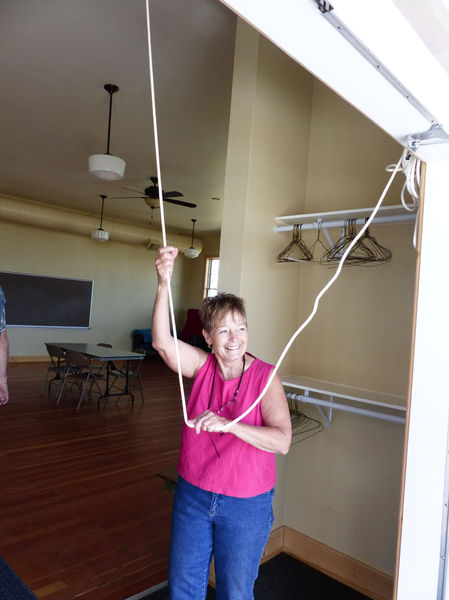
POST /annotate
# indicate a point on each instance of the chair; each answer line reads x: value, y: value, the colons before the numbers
x: 79, y: 370
x: 57, y: 366
x: 141, y: 341
x: 133, y: 375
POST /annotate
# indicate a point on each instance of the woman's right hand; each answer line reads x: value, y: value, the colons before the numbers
x: 192, y: 358
x: 165, y: 259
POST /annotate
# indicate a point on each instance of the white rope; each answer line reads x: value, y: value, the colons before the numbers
x: 411, y: 167
x: 317, y: 300
x: 161, y: 206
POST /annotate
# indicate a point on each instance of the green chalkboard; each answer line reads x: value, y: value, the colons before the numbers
x: 37, y: 301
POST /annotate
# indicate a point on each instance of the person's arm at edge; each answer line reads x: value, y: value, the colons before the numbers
x: 3, y: 367
x: 192, y: 358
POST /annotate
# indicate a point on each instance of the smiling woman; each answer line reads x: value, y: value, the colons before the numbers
x: 223, y: 500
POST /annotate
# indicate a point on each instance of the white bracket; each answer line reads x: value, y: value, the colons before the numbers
x: 435, y: 135
x: 353, y: 400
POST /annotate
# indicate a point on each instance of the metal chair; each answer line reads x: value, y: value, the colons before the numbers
x: 79, y: 370
x: 133, y: 375
x: 57, y: 366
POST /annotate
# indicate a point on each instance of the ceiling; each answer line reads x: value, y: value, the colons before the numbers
x: 56, y: 56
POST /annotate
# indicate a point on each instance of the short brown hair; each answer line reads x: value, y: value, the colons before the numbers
x: 213, y: 308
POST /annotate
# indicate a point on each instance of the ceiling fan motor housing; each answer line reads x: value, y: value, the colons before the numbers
x: 152, y: 191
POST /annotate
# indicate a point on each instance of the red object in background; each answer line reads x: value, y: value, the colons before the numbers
x: 193, y: 326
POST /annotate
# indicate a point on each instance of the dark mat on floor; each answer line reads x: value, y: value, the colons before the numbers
x: 11, y: 586
x: 285, y: 578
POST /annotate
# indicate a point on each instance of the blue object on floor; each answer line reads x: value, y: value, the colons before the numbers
x: 11, y: 586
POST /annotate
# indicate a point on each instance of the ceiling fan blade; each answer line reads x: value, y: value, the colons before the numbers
x: 130, y: 189
x: 127, y: 197
x: 180, y: 203
x: 173, y: 194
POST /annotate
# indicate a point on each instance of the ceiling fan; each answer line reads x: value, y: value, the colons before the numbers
x: 151, y: 194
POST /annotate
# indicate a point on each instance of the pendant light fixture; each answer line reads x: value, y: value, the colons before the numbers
x: 106, y: 166
x: 100, y: 234
x: 192, y: 252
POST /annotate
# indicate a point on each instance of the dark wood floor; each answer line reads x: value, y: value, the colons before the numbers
x: 82, y: 511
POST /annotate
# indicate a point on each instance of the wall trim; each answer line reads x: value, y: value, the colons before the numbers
x: 34, y: 358
x: 344, y: 568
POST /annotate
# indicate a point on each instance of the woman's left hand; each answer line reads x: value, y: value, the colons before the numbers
x: 209, y: 421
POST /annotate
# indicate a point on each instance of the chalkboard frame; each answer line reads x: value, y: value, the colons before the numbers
x: 43, y: 301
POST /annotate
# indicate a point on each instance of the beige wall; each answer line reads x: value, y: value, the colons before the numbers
x: 361, y: 336
x: 271, y: 122
x: 296, y: 147
x: 266, y: 175
x: 343, y: 485
x: 124, y: 284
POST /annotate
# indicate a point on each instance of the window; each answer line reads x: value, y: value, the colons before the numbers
x: 211, y: 276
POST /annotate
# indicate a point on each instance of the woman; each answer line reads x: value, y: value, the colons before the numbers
x: 223, y: 500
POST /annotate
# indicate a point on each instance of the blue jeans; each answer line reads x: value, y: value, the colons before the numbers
x: 233, y: 530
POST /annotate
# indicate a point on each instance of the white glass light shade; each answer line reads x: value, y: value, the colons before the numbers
x: 106, y: 166
x: 100, y: 235
x: 191, y: 252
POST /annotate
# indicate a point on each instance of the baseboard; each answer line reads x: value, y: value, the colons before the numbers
x: 16, y: 359
x: 351, y: 572
x: 361, y: 577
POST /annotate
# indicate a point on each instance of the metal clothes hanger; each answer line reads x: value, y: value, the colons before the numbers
x: 359, y: 254
x: 303, y: 426
x: 296, y: 251
x: 381, y: 253
x: 318, y: 245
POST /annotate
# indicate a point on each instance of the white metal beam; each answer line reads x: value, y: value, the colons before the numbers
x: 302, y: 32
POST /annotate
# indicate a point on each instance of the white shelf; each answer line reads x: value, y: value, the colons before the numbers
x: 361, y: 401
x: 385, y: 214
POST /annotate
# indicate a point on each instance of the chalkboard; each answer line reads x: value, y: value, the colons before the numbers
x: 36, y: 301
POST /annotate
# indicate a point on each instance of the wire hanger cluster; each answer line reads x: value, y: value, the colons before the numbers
x: 367, y: 250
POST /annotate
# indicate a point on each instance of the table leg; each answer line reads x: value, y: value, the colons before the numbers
x: 126, y: 390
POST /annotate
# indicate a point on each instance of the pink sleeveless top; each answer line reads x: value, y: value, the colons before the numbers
x: 222, y: 463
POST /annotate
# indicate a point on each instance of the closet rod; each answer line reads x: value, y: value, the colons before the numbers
x: 344, y: 407
x: 323, y: 224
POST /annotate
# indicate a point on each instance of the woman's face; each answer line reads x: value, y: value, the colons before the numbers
x: 229, y: 337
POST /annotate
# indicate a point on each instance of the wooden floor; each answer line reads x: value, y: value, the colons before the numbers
x: 82, y: 511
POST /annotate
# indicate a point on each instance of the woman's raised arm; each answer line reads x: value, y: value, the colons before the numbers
x: 192, y: 358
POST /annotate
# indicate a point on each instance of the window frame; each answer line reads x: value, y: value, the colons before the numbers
x: 207, y: 273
